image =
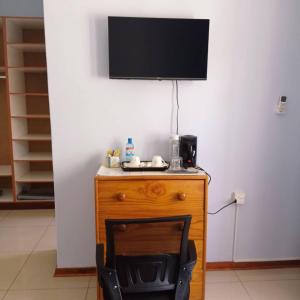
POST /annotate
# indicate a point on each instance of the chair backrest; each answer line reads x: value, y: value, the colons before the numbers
x: 147, y: 253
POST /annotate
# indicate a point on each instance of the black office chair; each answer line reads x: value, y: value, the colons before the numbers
x: 146, y: 259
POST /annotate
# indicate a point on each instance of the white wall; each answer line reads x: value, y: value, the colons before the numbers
x: 253, y: 59
x: 22, y: 8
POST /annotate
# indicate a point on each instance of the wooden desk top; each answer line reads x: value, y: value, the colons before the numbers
x: 105, y: 173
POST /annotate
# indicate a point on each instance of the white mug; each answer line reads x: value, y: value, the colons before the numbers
x: 157, y: 161
x: 135, y: 161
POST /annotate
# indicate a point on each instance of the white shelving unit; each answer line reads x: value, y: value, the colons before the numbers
x: 32, y: 137
x: 32, y: 47
x: 6, y: 178
x: 27, y: 80
x: 5, y: 171
x: 35, y: 156
x: 36, y: 176
x: 6, y: 196
x: 25, y: 30
x: 30, y: 165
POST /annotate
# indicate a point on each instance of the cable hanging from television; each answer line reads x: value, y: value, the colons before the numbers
x: 177, y: 112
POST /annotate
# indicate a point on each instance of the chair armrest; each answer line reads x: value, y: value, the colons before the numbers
x: 189, y: 265
x: 110, y: 283
x: 185, y: 272
x: 107, y: 277
x: 192, y: 252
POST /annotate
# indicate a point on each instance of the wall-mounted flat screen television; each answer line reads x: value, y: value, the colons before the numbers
x: 158, y: 48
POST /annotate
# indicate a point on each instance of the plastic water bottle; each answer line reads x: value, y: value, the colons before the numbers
x: 174, y: 146
x: 129, y: 150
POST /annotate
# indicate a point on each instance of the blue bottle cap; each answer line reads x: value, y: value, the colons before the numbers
x: 129, y: 140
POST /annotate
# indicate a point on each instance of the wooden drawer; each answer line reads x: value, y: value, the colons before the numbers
x: 196, y: 292
x: 150, y: 191
x: 151, y: 198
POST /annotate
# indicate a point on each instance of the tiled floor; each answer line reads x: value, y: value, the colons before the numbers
x: 28, y: 260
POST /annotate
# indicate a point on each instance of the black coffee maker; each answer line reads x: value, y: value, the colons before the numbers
x: 188, y: 150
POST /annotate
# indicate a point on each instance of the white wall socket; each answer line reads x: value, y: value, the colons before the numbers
x: 281, y: 105
x: 240, y: 197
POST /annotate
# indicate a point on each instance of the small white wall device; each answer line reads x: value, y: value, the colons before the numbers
x: 239, y: 197
x: 281, y: 105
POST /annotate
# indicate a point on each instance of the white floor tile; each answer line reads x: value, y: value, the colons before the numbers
x: 48, y: 241
x: 29, y: 218
x: 20, y: 238
x: 269, y: 274
x: 226, y: 291
x: 53, y: 222
x: 31, y: 276
x: 2, y: 293
x: 38, y: 272
x: 91, y: 294
x: 10, y: 265
x: 3, y: 214
x: 221, y: 276
x: 93, y: 282
x: 274, y: 290
x: 57, y: 294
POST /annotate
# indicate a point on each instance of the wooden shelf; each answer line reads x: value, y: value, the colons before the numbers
x: 31, y: 116
x: 32, y: 47
x: 33, y: 137
x: 7, y: 195
x: 23, y: 63
x: 29, y: 69
x: 24, y: 30
x: 35, y: 156
x: 36, y: 176
x: 33, y: 201
x: 30, y: 94
x: 5, y: 170
x: 29, y: 79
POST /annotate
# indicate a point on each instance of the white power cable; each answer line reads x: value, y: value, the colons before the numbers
x: 234, y: 244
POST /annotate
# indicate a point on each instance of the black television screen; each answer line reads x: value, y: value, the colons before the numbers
x: 156, y: 48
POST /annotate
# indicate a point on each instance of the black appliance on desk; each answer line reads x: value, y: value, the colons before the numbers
x: 188, y: 150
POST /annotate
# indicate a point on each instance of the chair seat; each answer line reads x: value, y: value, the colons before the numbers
x: 150, y: 296
x: 152, y: 273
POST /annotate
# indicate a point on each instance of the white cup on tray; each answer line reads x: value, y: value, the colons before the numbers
x: 157, y: 161
x: 134, y: 162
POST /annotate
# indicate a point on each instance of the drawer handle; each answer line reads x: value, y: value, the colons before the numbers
x: 121, y: 196
x: 181, y: 196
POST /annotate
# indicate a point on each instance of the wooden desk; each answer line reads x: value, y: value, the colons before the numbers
x: 121, y: 195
